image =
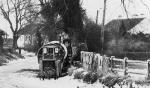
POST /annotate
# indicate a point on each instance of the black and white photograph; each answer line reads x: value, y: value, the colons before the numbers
x: 74, y: 43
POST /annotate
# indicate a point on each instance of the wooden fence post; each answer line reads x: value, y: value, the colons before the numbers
x: 105, y: 64
x: 112, y: 62
x: 82, y: 55
x: 19, y: 50
x: 125, y: 66
x: 148, y: 69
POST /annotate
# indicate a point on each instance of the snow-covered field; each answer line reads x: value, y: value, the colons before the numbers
x: 22, y: 74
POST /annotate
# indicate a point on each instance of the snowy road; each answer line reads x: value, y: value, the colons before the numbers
x: 17, y: 74
x: 22, y: 74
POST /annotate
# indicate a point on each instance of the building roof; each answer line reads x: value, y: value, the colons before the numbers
x: 122, y: 24
x: 30, y: 29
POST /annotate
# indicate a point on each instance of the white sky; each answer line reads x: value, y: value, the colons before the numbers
x: 114, y: 9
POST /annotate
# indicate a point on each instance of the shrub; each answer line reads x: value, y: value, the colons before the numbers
x: 78, y: 75
x: 87, y: 77
x: 71, y: 70
x: 109, y: 80
x: 90, y: 77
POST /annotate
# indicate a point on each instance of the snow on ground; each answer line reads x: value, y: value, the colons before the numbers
x: 22, y: 74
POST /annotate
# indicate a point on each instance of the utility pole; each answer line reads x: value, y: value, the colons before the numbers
x: 103, y: 23
x: 97, y: 17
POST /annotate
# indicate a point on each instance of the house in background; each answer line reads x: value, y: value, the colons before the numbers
x: 119, y: 30
x: 7, y: 42
x: 119, y: 27
x: 27, y: 35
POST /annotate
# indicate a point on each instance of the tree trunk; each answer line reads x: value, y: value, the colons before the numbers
x: 15, y: 38
x: 1, y: 43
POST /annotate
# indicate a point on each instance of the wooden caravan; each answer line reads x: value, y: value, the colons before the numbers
x: 51, y: 57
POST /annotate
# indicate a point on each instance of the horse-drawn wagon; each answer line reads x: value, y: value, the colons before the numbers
x: 51, y: 58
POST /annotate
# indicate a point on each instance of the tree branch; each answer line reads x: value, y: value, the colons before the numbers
x: 22, y: 11
x: 8, y: 8
x: 124, y: 6
x: 145, y: 5
x: 6, y: 16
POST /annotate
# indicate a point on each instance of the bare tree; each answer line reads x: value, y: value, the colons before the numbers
x: 17, y: 13
x: 124, y: 4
